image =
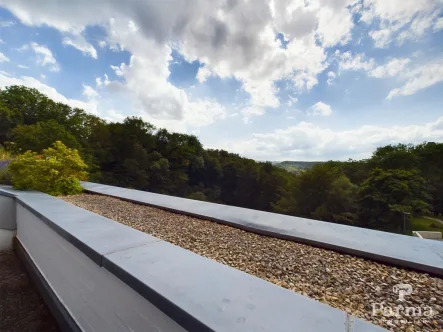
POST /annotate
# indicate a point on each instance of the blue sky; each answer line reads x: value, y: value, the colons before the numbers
x: 287, y: 80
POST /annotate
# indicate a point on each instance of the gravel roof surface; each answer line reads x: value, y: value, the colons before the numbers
x: 342, y: 281
x: 21, y: 307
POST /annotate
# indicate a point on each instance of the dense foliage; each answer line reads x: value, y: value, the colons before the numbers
x: 5, y: 159
x: 55, y: 171
x: 370, y: 193
x: 296, y: 166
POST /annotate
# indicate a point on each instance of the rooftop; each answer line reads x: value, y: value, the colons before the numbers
x: 346, y: 282
x: 221, y: 269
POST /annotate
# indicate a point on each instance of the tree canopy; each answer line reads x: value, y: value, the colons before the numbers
x: 370, y: 193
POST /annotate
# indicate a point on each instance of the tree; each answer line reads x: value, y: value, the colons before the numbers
x: 340, y: 205
x: 198, y: 195
x: 399, y: 156
x: 430, y: 155
x: 387, y: 194
x: 41, y: 135
x: 57, y: 171
x: 322, y: 192
x: 33, y: 105
x: 312, y: 188
x: 8, y: 119
x: 133, y: 153
x: 5, y: 159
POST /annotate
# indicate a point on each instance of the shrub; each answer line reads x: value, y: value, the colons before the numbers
x: 5, y: 159
x: 56, y: 171
x: 199, y: 196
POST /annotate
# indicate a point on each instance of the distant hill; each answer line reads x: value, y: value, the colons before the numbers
x: 296, y: 166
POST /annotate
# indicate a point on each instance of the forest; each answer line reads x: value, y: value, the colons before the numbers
x: 373, y: 193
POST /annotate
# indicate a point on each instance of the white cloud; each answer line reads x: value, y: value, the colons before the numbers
x: 80, y: 43
x: 1, y: 41
x: 307, y: 141
x: 3, y: 58
x: 438, y: 25
x: 233, y: 39
x: 249, y: 111
x: 382, y: 37
x: 89, y: 92
x: 146, y: 79
x: 44, y: 55
x: 419, y: 78
x: 22, y: 66
x: 419, y: 25
x: 204, y: 112
x: 292, y: 100
x: 203, y: 74
x: 112, y: 115
x: 52, y: 93
x: 416, y: 77
x: 331, y: 77
x: 349, y: 61
x: 320, y: 108
x: 392, y: 68
x: 6, y: 24
x: 400, y: 19
x: 334, y: 22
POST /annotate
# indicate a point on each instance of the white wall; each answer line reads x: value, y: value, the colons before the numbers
x: 97, y: 300
x: 6, y: 239
x: 7, y: 222
x: 7, y: 213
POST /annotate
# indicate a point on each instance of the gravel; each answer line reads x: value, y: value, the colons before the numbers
x: 349, y: 283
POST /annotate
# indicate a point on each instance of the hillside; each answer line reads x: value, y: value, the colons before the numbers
x: 296, y: 166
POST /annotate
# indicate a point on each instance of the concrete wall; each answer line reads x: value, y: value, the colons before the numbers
x: 7, y: 222
x: 99, y: 275
x: 97, y: 300
x: 400, y: 250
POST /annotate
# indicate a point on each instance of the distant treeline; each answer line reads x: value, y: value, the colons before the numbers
x: 369, y: 193
x: 296, y: 166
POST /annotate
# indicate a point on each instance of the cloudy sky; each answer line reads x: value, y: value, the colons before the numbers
x: 268, y: 79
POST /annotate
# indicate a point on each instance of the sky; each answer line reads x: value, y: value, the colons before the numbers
x: 267, y: 79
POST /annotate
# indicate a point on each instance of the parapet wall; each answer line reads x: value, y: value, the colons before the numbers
x: 99, y: 275
x: 400, y: 250
x: 7, y: 221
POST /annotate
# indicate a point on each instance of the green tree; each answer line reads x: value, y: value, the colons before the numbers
x: 32, y: 105
x: 323, y: 193
x: 311, y: 188
x: 198, y: 195
x: 387, y: 194
x: 340, y: 205
x: 56, y: 171
x: 41, y: 135
x: 430, y: 155
x: 8, y: 119
x: 5, y: 158
x: 135, y: 154
x: 399, y: 156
